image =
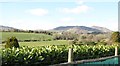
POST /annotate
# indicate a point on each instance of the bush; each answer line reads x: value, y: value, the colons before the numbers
x: 49, y: 55
x: 12, y: 42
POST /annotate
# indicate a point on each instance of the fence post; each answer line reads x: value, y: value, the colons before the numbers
x: 70, y: 52
x: 70, y: 55
x: 116, y: 51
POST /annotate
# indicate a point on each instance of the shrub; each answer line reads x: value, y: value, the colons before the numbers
x: 12, y: 42
x: 49, y: 55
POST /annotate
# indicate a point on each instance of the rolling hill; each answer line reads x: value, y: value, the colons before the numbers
x: 76, y: 29
x: 83, y: 29
x: 7, y: 28
x: 103, y: 29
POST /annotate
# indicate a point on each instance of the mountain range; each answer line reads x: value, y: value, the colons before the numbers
x: 76, y: 29
x: 83, y: 29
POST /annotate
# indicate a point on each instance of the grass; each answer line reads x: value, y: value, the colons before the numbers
x: 32, y: 36
x: 25, y: 36
x: 43, y: 43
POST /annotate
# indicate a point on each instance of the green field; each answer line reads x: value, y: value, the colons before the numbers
x: 32, y: 36
x: 43, y: 43
x: 25, y: 36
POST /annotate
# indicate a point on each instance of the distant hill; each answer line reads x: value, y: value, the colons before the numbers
x: 75, y: 29
x: 103, y: 29
x: 83, y: 29
x: 7, y: 28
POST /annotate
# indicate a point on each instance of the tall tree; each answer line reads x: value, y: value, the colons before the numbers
x: 115, y: 38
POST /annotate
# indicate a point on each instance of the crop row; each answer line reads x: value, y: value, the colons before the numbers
x: 47, y: 55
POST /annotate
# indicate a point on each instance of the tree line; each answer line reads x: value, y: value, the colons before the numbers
x: 31, y: 31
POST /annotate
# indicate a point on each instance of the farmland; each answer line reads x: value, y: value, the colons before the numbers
x: 41, y: 43
x: 44, y: 50
x: 25, y: 36
x: 33, y: 36
x: 44, y: 43
x: 47, y: 55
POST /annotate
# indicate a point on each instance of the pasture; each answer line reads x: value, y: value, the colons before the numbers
x: 25, y: 36
x: 32, y: 36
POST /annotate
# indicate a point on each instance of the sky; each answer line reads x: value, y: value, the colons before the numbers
x: 46, y: 14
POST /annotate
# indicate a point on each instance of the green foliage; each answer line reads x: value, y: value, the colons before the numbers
x: 47, y: 55
x: 12, y: 42
x: 23, y: 55
x: 90, y: 52
x: 65, y: 36
x: 115, y: 37
x: 44, y: 55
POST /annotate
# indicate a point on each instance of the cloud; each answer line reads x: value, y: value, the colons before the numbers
x: 79, y: 2
x: 76, y: 10
x: 37, y: 12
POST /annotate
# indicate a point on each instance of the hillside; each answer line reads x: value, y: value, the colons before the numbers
x: 7, y: 28
x: 76, y: 29
x: 103, y: 29
x: 82, y: 29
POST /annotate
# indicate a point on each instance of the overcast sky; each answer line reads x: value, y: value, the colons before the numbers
x: 47, y: 15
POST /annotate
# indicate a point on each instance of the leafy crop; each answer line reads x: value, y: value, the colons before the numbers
x: 47, y: 55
